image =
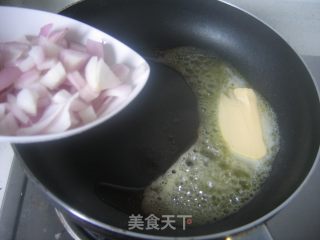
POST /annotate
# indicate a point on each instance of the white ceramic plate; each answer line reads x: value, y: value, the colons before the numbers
x: 18, y: 22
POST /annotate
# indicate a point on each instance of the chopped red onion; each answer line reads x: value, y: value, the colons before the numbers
x: 49, y: 84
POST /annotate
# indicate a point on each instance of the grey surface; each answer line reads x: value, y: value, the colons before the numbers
x: 27, y: 214
x: 301, y: 218
x: 297, y: 21
x: 38, y: 219
x: 47, y: 5
x: 13, y: 197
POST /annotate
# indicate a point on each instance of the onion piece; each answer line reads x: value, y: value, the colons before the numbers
x: 40, y: 90
x: 54, y: 77
x: 27, y: 78
x: 78, y: 105
x: 104, y: 106
x: 50, y: 49
x: 37, y: 54
x: 74, y: 120
x: 12, y: 107
x: 58, y: 35
x: 63, y: 43
x: 11, y: 51
x: 76, y: 79
x: 11, y: 99
x: 99, y: 76
x: 8, y: 76
x: 121, y: 71
x: 119, y: 91
x: 48, y: 116
x: 45, y: 30
x: 4, y: 93
x: 109, y: 105
x: 8, y: 125
x: 77, y: 47
x: 87, y: 115
x: 95, y: 48
x: 97, y: 103
x: 27, y: 101
x: 73, y: 60
x: 87, y: 94
x: 47, y: 64
x: 56, y: 118
x: 25, y: 64
x: 64, y: 119
x: 48, y: 87
x: 19, y: 114
x: 61, y: 123
x: 62, y: 96
x: 44, y: 102
x: 44, y: 98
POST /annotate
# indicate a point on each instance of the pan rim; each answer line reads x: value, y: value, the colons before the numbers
x: 261, y: 220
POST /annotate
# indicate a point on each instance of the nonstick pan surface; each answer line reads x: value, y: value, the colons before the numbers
x: 133, y: 148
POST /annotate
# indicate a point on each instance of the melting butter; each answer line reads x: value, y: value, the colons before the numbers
x: 209, y: 181
x: 240, y: 123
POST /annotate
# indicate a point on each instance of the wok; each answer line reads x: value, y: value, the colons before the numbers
x: 132, y: 149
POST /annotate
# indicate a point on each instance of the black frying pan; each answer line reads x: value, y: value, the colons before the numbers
x: 132, y: 148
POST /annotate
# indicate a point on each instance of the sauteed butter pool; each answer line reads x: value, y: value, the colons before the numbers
x: 238, y: 139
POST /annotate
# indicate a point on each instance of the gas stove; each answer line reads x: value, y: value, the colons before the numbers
x: 26, y: 214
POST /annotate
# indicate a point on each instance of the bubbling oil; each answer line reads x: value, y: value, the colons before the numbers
x: 208, y: 181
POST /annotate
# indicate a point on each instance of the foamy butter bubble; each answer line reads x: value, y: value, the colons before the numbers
x: 207, y: 181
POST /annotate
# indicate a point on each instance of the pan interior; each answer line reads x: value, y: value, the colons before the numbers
x: 136, y: 146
